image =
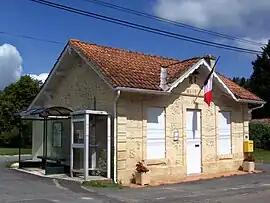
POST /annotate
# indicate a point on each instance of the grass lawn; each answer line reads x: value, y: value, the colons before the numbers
x: 102, y: 184
x: 14, y: 151
x: 262, y: 155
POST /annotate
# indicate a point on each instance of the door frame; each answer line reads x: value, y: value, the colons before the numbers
x: 186, y: 141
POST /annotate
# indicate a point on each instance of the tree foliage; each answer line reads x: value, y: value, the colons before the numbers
x: 242, y: 81
x: 14, y: 98
x: 260, y: 81
x: 260, y: 134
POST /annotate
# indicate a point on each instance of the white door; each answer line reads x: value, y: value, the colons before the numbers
x: 155, y: 145
x: 193, y: 132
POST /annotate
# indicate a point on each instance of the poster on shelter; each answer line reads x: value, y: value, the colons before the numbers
x: 57, y: 134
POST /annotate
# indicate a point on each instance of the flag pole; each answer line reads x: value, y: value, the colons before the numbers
x: 203, y: 85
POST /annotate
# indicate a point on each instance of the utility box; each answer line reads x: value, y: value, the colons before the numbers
x: 248, y: 146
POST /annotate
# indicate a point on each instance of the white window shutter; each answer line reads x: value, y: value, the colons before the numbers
x: 224, y: 133
x: 155, y: 133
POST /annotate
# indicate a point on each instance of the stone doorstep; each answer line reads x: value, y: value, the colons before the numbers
x: 193, y: 178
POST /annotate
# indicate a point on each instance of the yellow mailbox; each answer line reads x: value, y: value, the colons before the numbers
x: 248, y: 146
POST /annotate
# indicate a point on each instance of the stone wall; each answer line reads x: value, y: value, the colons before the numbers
x: 132, y: 132
x: 81, y: 84
x: 77, y: 89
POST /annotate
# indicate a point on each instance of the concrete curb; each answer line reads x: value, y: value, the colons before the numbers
x: 15, y: 155
x: 46, y: 176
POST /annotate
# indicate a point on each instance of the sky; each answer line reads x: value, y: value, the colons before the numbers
x: 20, y: 56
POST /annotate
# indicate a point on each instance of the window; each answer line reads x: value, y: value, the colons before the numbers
x: 155, y: 133
x: 57, y: 134
x: 224, y: 133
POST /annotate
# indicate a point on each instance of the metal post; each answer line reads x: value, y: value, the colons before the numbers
x: 93, y: 144
x: 20, y: 142
x: 46, y: 144
x: 86, y: 145
x: 109, y: 147
x: 71, y: 147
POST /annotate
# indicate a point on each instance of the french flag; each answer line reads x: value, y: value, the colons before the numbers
x: 208, y: 86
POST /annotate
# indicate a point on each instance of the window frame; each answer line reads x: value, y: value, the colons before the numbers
x: 152, y: 158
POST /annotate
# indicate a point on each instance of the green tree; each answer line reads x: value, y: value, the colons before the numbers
x: 260, y: 81
x: 14, y: 98
x: 242, y: 81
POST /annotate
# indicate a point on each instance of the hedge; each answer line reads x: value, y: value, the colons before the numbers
x: 260, y: 134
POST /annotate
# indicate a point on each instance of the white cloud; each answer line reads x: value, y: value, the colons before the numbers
x: 243, y: 18
x: 247, y: 19
x: 42, y: 76
x: 10, y: 65
x: 252, y: 46
x: 246, y: 45
x: 212, y: 13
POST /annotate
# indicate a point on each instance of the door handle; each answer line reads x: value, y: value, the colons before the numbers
x: 197, y: 145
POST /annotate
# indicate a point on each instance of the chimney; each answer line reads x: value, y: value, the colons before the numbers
x: 211, y: 60
x: 163, y: 78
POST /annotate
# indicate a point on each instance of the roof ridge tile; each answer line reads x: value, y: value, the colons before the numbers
x: 130, y: 51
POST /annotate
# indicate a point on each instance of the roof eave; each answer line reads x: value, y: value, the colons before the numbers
x: 185, y: 75
x: 143, y: 91
x: 250, y: 101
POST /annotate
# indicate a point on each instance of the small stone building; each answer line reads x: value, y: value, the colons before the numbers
x: 163, y: 121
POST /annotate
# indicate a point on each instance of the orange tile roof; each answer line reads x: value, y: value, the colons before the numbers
x: 237, y: 90
x: 123, y: 68
x: 261, y: 121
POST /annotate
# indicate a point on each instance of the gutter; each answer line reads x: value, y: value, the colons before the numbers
x: 251, y: 101
x: 262, y: 103
x: 137, y: 90
x: 255, y: 108
x: 115, y: 135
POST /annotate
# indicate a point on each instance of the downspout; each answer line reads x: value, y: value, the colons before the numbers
x: 115, y: 136
x: 255, y: 108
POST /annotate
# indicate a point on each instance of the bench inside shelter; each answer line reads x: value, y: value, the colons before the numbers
x: 52, y: 165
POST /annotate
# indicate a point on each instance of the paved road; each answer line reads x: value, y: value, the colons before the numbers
x: 236, y: 189
x: 18, y: 187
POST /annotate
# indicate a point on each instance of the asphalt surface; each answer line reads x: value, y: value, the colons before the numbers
x: 18, y: 187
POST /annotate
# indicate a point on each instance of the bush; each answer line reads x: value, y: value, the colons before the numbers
x: 249, y: 158
x: 260, y: 134
x: 11, y: 139
x: 141, y: 168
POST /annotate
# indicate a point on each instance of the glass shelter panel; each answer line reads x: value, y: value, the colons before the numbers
x: 58, y: 139
x: 98, y: 145
x: 90, y: 151
x: 78, y: 157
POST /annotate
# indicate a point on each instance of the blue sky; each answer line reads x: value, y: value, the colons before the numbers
x: 27, y: 18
